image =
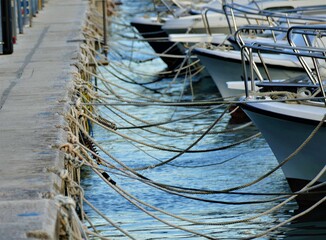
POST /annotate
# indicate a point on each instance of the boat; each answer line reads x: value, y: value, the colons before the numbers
x: 158, y: 33
x: 215, y: 19
x: 150, y: 28
x: 225, y: 64
x: 291, y: 116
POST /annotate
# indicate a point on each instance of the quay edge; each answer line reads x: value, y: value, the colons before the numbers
x: 34, y: 91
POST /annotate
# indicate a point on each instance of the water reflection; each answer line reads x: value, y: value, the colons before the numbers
x: 205, y: 170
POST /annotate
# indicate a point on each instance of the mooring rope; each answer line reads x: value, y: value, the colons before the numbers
x: 264, y: 175
x: 122, y: 193
x: 175, y: 150
x: 81, y: 149
x: 315, y: 205
x: 195, y: 222
x: 108, y: 220
x: 231, y: 222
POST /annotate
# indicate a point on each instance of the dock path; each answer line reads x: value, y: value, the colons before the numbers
x: 34, y: 83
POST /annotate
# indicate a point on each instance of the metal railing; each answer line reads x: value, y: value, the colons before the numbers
x: 15, y: 16
x: 233, y: 12
x: 316, y: 54
x: 25, y: 11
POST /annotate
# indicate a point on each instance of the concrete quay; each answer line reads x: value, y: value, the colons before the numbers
x: 33, y: 82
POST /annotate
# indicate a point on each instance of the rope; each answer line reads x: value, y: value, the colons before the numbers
x: 78, y: 155
x: 250, y: 183
x: 108, y: 220
x: 248, y: 219
x: 180, y: 218
x: 143, y: 179
x: 122, y: 193
x: 158, y: 125
x: 295, y: 152
x: 179, y: 151
x: 318, y: 176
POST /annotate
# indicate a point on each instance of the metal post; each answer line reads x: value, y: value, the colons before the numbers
x: 1, y: 35
x: 25, y: 10
x: 95, y: 81
x: 104, y: 27
x: 32, y: 8
x: 14, y: 21
x: 244, y: 69
x: 31, y: 13
x: 6, y: 22
x: 36, y: 7
x: 20, y: 18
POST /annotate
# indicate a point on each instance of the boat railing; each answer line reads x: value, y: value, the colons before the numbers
x: 205, y: 17
x: 236, y: 11
x: 306, y: 32
x: 247, y: 52
x: 226, y: 13
x: 317, y: 54
x: 303, y: 9
x: 268, y: 17
x: 275, y: 33
x: 233, y: 11
x: 168, y: 8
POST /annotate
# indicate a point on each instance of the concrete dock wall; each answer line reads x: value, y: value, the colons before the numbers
x: 34, y: 91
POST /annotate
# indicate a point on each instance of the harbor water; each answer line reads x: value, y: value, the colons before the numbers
x: 226, y: 167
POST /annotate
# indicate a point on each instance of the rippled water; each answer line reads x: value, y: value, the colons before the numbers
x: 209, y: 170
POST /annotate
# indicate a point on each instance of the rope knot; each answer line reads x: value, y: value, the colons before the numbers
x: 78, y: 103
x: 65, y: 201
x: 64, y: 174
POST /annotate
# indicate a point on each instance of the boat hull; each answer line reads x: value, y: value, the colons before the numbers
x: 151, y: 30
x: 284, y: 134
x: 195, y: 24
x: 218, y: 23
x: 223, y: 68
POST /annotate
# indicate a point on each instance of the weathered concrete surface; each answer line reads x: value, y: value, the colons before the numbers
x: 33, y: 81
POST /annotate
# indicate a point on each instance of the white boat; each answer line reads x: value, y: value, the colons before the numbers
x: 290, y: 127
x: 150, y: 28
x: 225, y: 66
x: 193, y: 38
x: 226, y: 69
x: 218, y: 22
x: 285, y: 127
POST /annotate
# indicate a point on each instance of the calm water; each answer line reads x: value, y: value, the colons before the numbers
x: 210, y: 170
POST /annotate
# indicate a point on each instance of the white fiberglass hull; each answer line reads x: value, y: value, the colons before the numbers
x: 285, y: 127
x: 226, y: 66
x: 218, y: 23
x: 193, y: 38
x: 195, y: 24
x: 151, y: 30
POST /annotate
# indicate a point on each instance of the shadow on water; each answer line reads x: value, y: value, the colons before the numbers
x: 309, y: 226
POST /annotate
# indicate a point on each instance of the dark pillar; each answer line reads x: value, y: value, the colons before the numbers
x: 6, y: 21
